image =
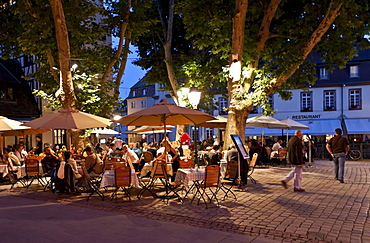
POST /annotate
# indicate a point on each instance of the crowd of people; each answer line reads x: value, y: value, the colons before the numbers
x: 94, y: 156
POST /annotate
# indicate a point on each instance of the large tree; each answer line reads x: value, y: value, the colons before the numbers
x: 267, y: 44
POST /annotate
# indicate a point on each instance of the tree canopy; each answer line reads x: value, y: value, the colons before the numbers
x: 272, y: 42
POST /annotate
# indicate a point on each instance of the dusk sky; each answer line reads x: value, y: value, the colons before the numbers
x: 132, y: 75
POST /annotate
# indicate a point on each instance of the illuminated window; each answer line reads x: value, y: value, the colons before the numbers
x: 324, y: 74
x: 353, y: 71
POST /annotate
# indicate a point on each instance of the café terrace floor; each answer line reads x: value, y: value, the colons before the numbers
x: 265, y: 212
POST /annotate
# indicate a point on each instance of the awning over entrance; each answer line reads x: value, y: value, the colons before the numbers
x: 322, y: 127
x: 317, y: 127
x: 358, y: 125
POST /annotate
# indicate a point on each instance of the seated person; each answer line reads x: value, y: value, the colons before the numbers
x: 50, y: 162
x: 214, y: 155
x: 276, y: 148
x: 4, y: 160
x: 232, y: 154
x: 94, y: 165
x: 130, y: 156
x: 114, y: 152
x: 203, y: 146
x: 99, y: 152
x: 136, y: 148
x: 20, y: 153
x: 153, y: 149
x: 11, y: 156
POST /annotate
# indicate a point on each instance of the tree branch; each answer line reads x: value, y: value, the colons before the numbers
x: 264, y: 31
x: 118, y: 53
x: 332, y: 12
x: 122, y: 67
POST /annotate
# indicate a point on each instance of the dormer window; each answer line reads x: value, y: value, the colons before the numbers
x: 353, y: 71
x: 324, y: 74
x: 144, y: 91
x: 134, y: 93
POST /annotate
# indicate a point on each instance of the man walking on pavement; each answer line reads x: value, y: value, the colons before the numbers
x: 295, y: 157
x: 338, y: 148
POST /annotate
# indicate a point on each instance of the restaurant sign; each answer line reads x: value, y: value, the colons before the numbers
x: 299, y: 117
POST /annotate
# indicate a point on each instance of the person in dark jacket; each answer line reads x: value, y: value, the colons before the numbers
x: 295, y: 157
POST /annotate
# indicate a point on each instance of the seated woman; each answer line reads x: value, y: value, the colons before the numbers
x: 175, y: 160
x: 4, y: 160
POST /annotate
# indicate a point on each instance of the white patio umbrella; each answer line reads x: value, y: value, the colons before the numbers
x: 265, y: 122
x: 294, y: 125
x: 104, y: 131
x: 156, y: 131
x: 151, y: 130
x: 164, y: 114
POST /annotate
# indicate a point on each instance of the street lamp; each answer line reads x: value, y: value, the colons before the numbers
x: 116, y: 118
x: 194, y: 98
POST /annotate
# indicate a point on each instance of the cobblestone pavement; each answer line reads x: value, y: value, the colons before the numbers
x: 327, y: 212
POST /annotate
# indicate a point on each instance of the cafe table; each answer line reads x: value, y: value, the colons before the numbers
x: 109, y: 180
x: 21, y: 170
x: 190, y: 175
x: 149, y: 166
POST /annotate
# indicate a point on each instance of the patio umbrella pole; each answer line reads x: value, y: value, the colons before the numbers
x: 165, y: 137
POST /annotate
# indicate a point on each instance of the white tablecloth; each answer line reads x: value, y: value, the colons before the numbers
x: 4, y: 170
x: 148, y: 167
x: 188, y: 175
x: 108, y: 179
x: 21, y: 170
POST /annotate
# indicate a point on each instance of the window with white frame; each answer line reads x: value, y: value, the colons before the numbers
x: 133, y: 93
x: 143, y: 103
x: 223, y: 104
x: 133, y: 104
x: 144, y: 91
x: 329, y: 100
x: 353, y: 71
x: 306, y: 101
x: 355, y: 99
x: 324, y: 74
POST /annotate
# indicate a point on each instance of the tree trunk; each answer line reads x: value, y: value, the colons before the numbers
x: 66, y: 93
x: 236, y: 115
x: 167, y: 45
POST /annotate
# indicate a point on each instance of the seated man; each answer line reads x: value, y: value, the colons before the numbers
x: 276, y: 148
x: 130, y: 156
x: 94, y: 165
x: 49, y: 163
x: 232, y: 154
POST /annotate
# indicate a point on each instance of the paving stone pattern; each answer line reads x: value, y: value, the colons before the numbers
x: 328, y: 211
